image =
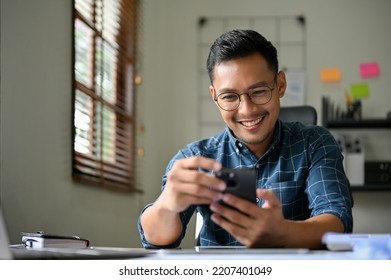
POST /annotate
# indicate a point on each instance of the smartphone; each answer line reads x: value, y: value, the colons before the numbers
x: 240, y: 182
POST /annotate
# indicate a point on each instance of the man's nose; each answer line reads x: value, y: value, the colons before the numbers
x: 245, y: 102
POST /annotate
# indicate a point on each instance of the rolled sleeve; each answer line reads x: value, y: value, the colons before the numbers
x: 328, y: 187
x: 184, y: 216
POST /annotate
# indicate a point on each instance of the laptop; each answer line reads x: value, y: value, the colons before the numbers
x: 20, y: 252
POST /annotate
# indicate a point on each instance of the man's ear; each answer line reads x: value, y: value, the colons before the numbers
x: 212, y: 92
x: 281, y: 83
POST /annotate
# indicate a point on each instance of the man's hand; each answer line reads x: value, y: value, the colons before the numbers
x: 251, y: 225
x: 186, y: 185
x: 266, y: 227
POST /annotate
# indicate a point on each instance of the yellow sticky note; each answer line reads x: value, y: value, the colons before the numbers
x: 358, y: 91
x: 330, y: 75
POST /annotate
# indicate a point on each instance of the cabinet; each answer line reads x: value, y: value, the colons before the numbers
x: 358, y: 124
x: 379, y: 169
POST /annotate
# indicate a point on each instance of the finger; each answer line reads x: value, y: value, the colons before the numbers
x: 224, y: 222
x: 196, y: 177
x: 230, y: 214
x: 187, y: 170
x: 200, y: 162
x: 197, y: 191
x: 271, y: 200
x: 242, y: 205
x: 178, y: 199
x: 239, y: 232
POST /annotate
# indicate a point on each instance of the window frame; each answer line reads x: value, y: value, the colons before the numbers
x: 115, y: 169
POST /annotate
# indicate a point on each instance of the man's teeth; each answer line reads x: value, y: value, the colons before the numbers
x: 252, y: 123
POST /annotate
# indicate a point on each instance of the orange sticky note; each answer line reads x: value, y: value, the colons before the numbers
x: 330, y: 75
x: 368, y: 70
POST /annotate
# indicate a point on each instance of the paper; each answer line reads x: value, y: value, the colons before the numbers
x: 368, y: 70
x: 295, y: 90
x: 358, y: 91
x: 330, y: 75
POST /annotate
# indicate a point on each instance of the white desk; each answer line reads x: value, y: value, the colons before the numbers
x: 251, y: 254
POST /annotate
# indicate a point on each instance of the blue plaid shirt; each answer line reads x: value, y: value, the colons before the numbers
x: 303, y: 167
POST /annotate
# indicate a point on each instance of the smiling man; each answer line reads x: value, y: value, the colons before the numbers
x: 302, y: 189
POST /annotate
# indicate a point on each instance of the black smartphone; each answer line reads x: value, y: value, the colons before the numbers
x: 240, y: 182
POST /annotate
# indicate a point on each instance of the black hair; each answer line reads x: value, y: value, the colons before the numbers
x: 240, y: 43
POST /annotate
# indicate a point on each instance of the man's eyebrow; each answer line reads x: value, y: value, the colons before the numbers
x: 223, y: 90
x: 258, y: 84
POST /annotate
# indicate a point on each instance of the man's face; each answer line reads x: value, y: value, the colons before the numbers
x: 252, y: 124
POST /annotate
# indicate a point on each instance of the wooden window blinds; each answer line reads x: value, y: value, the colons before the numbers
x: 103, y: 92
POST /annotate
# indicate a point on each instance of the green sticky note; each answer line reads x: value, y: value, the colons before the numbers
x: 358, y: 91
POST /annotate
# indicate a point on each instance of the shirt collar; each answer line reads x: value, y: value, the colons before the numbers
x: 277, y: 135
x: 239, y: 146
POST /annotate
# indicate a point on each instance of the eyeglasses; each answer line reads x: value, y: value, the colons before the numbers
x: 230, y: 101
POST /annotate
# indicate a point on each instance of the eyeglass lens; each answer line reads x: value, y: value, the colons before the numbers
x: 231, y: 100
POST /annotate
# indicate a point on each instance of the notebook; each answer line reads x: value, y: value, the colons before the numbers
x: 9, y: 252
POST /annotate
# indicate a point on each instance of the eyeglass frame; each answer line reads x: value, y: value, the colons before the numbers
x: 248, y: 94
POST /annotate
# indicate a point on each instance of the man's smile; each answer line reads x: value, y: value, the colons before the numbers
x: 251, y: 124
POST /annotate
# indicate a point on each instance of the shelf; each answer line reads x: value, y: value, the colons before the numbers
x: 329, y: 119
x: 364, y: 123
x: 368, y: 188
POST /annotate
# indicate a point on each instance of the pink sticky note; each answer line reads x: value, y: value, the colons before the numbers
x: 368, y: 70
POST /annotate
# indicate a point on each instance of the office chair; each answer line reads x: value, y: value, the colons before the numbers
x: 198, y: 226
x: 304, y: 113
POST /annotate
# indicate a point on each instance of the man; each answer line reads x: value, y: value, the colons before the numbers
x: 302, y: 188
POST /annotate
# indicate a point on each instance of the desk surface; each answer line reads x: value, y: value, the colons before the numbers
x: 252, y: 254
x: 201, y: 254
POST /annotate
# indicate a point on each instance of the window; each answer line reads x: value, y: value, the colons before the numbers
x: 103, y: 92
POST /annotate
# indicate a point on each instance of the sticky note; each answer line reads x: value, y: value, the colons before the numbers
x: 360, y: 90
x: 368, y: 70
x: 330, y: 75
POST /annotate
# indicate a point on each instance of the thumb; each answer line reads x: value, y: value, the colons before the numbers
x: 271, y: 200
